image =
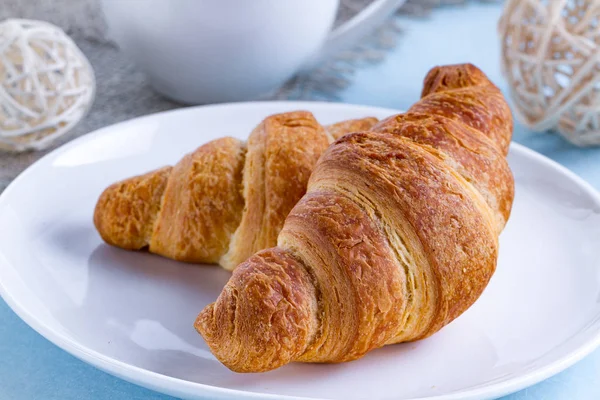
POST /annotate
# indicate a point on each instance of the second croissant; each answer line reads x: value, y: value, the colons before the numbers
x: 226, y: 200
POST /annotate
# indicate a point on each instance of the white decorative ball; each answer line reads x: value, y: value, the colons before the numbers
x: 551, y: 59
x: 46, y: 84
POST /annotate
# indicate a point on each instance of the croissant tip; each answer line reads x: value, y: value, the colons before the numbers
x: 445, y: 77
x: 99, y: 217
x: 203, y: 321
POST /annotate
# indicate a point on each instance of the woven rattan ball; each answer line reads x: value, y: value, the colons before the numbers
x: 551, y: 58
x: 46, y: 84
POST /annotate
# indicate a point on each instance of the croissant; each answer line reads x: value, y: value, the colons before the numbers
x: 396, y: 236
x: 226, y: 200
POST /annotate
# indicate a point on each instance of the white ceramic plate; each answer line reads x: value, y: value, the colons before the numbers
x: 131, y: 314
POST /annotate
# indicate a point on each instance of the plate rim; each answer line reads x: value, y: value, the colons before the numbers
x: 180, y: 387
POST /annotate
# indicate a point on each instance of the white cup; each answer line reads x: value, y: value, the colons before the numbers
x: 209, y: 51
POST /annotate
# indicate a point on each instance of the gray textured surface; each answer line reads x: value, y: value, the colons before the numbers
x: 122, y: 93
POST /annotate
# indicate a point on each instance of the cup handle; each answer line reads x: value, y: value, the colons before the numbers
x: 348, y: 33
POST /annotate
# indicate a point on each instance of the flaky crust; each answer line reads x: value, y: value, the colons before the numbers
x: 342, y: 128
x: 202, y: 204
x: 126, y: 211
x: 396, y: 236
x: 282, y: 152
x: 223, y: 202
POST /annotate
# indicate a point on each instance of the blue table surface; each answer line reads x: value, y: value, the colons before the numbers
x: 33, y: 368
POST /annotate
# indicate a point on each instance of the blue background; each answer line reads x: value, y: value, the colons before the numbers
x: 33, y: 368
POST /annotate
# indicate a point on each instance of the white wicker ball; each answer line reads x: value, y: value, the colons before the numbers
x: 46, y: 84
x: 551, y: 58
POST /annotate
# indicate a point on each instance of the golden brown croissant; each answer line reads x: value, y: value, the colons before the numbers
x: 226, y: 200
x: 396, y: 236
